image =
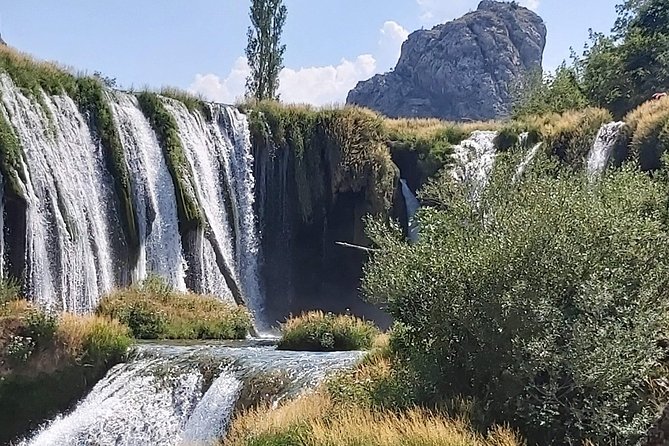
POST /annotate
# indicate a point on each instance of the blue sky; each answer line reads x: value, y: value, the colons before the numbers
x: 199, y: 44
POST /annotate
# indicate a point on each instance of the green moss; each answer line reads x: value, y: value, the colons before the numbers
x: 194, y: 103
x: 165, y: 126
x: 334, y: 151
x: 31, y: 76
x: 90, y: 95
x: 10, y: 158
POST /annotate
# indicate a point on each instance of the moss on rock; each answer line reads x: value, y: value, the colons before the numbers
x: 90, y: 96
x: 166, y: 128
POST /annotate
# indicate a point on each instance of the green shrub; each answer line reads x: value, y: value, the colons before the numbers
x: 506, y: 139
x: 153, y: 310
x: 41, y: 327
x: 318, y: 331
x: 543, y: 303
x: 9, y: 290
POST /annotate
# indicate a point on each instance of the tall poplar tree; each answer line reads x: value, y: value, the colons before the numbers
x: 264, y: 50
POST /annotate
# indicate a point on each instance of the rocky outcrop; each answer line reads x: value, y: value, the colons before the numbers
x: 464, y: 69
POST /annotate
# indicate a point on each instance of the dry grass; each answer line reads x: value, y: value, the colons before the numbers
x: 317, y: 420
x: 431, y: 128
x: 570, y: 135
x: 648, y: 127
x: 321, y: 331
x: 647, y: 111
x: 90, y: 334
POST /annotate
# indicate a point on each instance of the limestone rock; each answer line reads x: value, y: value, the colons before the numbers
x: 464, y: 69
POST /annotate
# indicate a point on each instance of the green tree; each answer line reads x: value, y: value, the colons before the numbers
x: 264, y: 50
x: 550, y: 93
x: 623, y: 70
x: 542, y: 303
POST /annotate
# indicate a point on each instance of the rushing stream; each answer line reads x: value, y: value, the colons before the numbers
x: 173, y: 395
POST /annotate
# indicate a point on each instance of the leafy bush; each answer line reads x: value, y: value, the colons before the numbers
x: 318, y: 331
x: 543, y: 304
x: 539, y: 93
x: 153, y: 310
x: 40, y: 326
x: 377, y: 382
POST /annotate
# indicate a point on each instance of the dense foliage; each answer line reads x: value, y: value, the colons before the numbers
x: 625, y: 69
x: 618, y: 71
x: 542, y: 304
x: 318, y: 331
x: 153, y: 310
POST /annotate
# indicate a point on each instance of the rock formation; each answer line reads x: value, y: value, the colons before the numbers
x: 464, y: 69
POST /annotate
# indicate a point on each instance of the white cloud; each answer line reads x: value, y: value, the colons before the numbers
x: 223, y: 90
x: 325, y: 85
x: 392, y: 36
x: 318, y: 85
x: 313, y: 85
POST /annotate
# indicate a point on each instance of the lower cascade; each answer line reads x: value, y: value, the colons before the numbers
x: 184, y: 395
x: 606, y: 140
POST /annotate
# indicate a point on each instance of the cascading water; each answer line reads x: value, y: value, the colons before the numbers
x: 240, y: 166
x: 162, y: 397
x: 153, y: 192
x: 219, y: 154
x: 412, y: 206
x: 524, y: 164
x: 475, y: 158
x: 68, y: 192
x: 607, y: 138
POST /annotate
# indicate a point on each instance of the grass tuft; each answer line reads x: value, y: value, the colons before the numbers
x: 648, y: 126
x: 154, y: 311
x: 318, y: 331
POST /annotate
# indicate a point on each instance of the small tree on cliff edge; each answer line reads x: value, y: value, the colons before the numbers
x: 264, y: 50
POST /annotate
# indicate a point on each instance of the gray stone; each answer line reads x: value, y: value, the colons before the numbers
x: 461, y: 70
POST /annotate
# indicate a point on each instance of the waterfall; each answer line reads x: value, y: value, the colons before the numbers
x: 524, y: 164
x: 161, y: 397
x: 412, y: 206
x: 219, y: 154
x: 474, y: 158
x: 240, y: 166
x: 211, y: 416
x: 606, y: 140
x: 69, y: 196
x: 160, y: 250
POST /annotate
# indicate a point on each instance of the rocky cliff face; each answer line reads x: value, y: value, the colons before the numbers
x: 464, y: 69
